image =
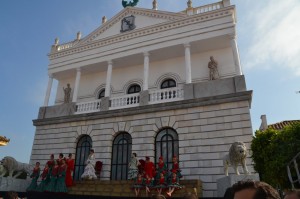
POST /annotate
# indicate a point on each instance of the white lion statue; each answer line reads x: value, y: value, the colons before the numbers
x: 237, y: 155
x: 10, y: 165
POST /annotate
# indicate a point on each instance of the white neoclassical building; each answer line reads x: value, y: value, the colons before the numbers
x: 141, y: 83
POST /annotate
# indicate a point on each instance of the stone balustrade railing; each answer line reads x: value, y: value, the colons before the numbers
x: 125, y: 101
x: 166, y: 95
x: 88, y: 107
x: 209, y: 7
x: 66, y: 45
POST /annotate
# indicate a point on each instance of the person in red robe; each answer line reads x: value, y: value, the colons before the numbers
x: 70, y: 168
x: 149, y: 168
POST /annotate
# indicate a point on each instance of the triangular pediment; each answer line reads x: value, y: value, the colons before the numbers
x: 142, y: 18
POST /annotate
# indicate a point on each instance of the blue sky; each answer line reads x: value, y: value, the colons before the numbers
x: 268, y: 40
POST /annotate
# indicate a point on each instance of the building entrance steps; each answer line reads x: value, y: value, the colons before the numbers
x: 124, y: 188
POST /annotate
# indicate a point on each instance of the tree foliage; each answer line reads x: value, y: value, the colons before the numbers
x: 272, y: 150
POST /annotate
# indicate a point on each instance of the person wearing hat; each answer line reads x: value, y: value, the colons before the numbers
x: 89, y: 170
x: 149, y: 168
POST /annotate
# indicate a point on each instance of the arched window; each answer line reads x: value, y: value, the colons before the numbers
x: 101, y: 94
x: 166, y: 145
x: 134, y: 89
x: 121, y: 153
x: 83, y: 147
x: 168, y: 83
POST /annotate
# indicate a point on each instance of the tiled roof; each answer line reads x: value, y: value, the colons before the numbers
x: 281, y: 125
x: 3, y: 141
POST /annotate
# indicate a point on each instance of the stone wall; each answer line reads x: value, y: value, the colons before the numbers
x: 206, y: 128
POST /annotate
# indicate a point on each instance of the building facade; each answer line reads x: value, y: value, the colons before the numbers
x: 141, y: 83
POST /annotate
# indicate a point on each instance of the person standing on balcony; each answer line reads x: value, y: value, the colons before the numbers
x: 89, y: 170
x: 149, y: 168
x: 67, y: 91
x: 70, y: 169
x: 133, y: 167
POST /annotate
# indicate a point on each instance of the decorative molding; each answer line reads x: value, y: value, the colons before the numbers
x: 98, y: 90
x: 131, y: 82
x: 165, y: 76
x: 84, y: 45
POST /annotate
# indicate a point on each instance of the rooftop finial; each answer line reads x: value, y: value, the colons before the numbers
x: 154, y: 3
x: 78, y: 35
x: 56, y: 41
x: 189, y: 4
x: 104, y: 19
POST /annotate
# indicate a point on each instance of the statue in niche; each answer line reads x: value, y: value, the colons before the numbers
x: 67, y: 91
x: 213, y: 69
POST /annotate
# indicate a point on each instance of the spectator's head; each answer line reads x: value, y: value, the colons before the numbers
x: 158, y: 197
x: 190, y: 196
x: 11, y: 195
x: 293, y: 194
x: 61, y: 155
x: 254, y: 190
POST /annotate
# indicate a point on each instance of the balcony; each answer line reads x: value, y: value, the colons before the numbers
x: 132, y: 100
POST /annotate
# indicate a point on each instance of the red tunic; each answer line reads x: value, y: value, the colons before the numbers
x: 149, y: 169
x: 70, y: 169
x: 161, y: 181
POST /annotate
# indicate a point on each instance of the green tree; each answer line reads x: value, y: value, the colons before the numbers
x: 272, y: 150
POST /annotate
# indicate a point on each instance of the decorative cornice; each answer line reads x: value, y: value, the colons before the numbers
x: 141, y: 32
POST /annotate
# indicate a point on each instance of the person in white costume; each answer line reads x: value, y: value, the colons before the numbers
x: 89, y: 170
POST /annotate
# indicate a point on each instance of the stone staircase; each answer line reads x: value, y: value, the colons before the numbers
x: 124, y: 188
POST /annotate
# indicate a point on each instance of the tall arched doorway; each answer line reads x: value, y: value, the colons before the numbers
x: 166, y: 145
x: 121, y: 153
x: 83, y: 147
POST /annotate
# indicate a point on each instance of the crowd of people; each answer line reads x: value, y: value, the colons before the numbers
x: 55, y: 177
x: 158, y: 178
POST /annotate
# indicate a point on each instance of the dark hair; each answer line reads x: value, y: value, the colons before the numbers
x: 134, y: 154
x: 158, y: 197
x: 228, y: 194
x: 263, y: 190
x: 61, y: 155
x: 70, y: 154
x: 92, y: 150
x: 190, y: 195
x: 11, y: 195
x: 294, y: 191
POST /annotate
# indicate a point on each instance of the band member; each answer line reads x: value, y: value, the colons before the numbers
x: 161, y: 183
x: 173, y: 184
x: 45, y: 179
x: 133, y: 167
x: 175, y: 167
x: 61, y: 175
x: 70, y: 168
x: 138, y: 185
x: 149, y: 168
x: 35, y: 176
x: 161, y: 168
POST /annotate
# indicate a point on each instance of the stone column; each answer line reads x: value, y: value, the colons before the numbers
x: 188, y: 67
x: 108, y: 78
x: 50, y: 81
x: 236, y: 55
x: 77, y: 80
x: 146, y: 71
